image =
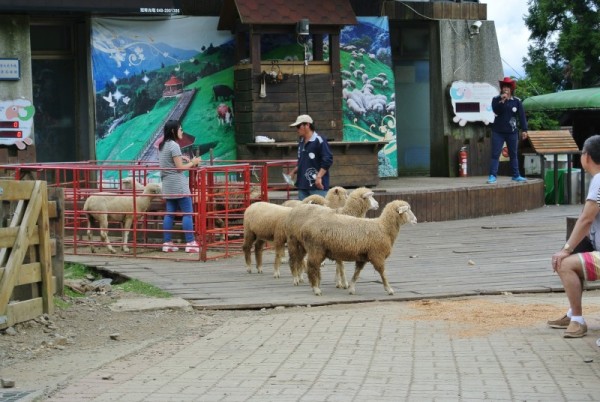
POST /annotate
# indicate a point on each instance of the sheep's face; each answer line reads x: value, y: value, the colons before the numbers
x: 405, y: 212
x: 128, y: 183
x: 373, y: 204
x: 153, y: 189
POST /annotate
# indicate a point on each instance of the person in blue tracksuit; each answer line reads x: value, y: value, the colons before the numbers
x: 509, y: 111
x: 314, y: 159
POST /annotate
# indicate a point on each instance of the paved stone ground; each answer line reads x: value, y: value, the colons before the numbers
x: 368, y: 351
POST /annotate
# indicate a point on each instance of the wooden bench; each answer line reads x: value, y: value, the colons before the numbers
x: 555, y: 142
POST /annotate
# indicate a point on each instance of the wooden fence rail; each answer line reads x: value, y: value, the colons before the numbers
x: 27, y: 251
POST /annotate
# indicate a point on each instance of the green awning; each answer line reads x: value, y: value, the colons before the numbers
x: 575, y: 99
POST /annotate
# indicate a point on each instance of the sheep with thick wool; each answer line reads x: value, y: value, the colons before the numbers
x: 359, y: 202
x: 263, y: 222
x: 325, y: 234
x: 335, y: 198
x: 102, y: 207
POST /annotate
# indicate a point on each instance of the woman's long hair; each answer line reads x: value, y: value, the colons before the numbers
x: 170, y: 132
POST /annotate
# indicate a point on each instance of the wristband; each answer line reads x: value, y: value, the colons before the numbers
x: 567, y: 247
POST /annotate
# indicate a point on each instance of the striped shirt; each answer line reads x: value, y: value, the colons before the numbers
x: 175, y: 183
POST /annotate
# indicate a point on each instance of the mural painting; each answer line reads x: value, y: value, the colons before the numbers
x: 148, y: 72
x: 369, y: 104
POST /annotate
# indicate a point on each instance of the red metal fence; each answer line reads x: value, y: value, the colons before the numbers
x: 221, y: 192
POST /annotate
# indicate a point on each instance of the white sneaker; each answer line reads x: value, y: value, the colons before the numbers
x: 192, y: 247
x: 168, y: 247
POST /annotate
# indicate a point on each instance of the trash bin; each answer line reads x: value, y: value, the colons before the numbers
x: 562, y: 186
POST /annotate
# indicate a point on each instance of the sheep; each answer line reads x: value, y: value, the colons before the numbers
x: 102, y: 207
x: 311, y: 199
x: 328, y: 235
x: 128, y: 183
x: 263, y: 222
x: 335, y: 198
x: 358, y: 204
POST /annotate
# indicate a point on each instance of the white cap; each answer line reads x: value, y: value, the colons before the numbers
x: 303, y: 118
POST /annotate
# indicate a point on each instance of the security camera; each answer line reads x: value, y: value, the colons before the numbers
x: 474, y: 28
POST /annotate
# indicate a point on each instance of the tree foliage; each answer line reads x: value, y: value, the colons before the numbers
x: 564, y: 45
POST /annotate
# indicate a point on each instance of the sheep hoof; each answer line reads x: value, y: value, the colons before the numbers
x: 296, y: 282
x: 317, y: 291
x: 390, y: 291
x: 125, y: 249
x: 276, y: 275
x: 112, y: 250
x: 259, y: 270
x: 352, y: 290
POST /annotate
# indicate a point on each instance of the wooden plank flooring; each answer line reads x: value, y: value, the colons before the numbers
x: 489, y: 255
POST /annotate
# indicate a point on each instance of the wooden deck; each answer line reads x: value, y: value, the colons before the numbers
x: 436, y: 199
x: 487, y: 255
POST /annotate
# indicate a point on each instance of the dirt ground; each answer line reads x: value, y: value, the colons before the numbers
x: 51, y: 350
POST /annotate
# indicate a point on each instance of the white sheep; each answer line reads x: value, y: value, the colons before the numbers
x: 335, y: 198
x: 328, y: 235
x: 128, y: 182
x: 264, y: 221
x: 311, y: 199
x: 359, y: 202
x: 102, y: 207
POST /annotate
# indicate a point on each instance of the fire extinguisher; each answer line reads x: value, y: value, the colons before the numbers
x: 462, y: 162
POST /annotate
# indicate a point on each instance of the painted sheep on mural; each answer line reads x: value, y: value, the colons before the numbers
x: 224, y: 115
x: 472, y: 101
x: 19, y: 111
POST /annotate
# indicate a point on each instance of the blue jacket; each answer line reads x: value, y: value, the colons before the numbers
x: 507, y: 114
x: 313, y: 156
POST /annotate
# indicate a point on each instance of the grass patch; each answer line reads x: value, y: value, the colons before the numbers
x: 141, y: 288
x: 79, y: 271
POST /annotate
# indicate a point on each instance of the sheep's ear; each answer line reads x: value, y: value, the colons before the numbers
x: 368, y: 194
x: 403, y: 208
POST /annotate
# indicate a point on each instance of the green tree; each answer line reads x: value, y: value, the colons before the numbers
x: 528, y: 87
x: 565, y: 49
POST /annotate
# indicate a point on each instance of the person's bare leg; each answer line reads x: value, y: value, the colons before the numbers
x: 571, y: 276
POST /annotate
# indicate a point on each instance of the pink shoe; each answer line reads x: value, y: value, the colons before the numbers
x: 192, y: 247
x: 169, y: 247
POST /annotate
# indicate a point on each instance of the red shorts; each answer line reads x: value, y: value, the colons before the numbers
x: 591, y: 265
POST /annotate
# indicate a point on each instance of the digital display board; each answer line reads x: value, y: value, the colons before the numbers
x: 9, y: 124
x: 11, y: 134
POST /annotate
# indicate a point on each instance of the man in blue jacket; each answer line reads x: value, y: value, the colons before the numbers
x: 508, y: 109
x: 314, y: 159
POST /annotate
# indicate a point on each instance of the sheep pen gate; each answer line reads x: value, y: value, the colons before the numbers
x: 220, y: 194
x: 31, y: 264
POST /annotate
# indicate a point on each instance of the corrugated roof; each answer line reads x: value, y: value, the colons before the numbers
x: 575, y: 99
x: 286, y: 12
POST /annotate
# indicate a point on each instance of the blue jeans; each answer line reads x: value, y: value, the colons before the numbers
x: 512, y: 142
x: 302, y: 194
x: 187, y: 221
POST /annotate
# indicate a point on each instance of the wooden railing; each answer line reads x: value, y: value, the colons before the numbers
x: 25, y: 252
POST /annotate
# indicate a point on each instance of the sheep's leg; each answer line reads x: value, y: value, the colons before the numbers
x: 358, y: 267
x: 279, y: 253
x: 380, y: 267
x: 340, y: 275
x: 126, y: 227
x: 249, y: 239
x: 89, y: 235
x: 104, y: 237
x: 296, y: 255
x: 258, y: 252
x: 103, y: 223
x: 314, y: 272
